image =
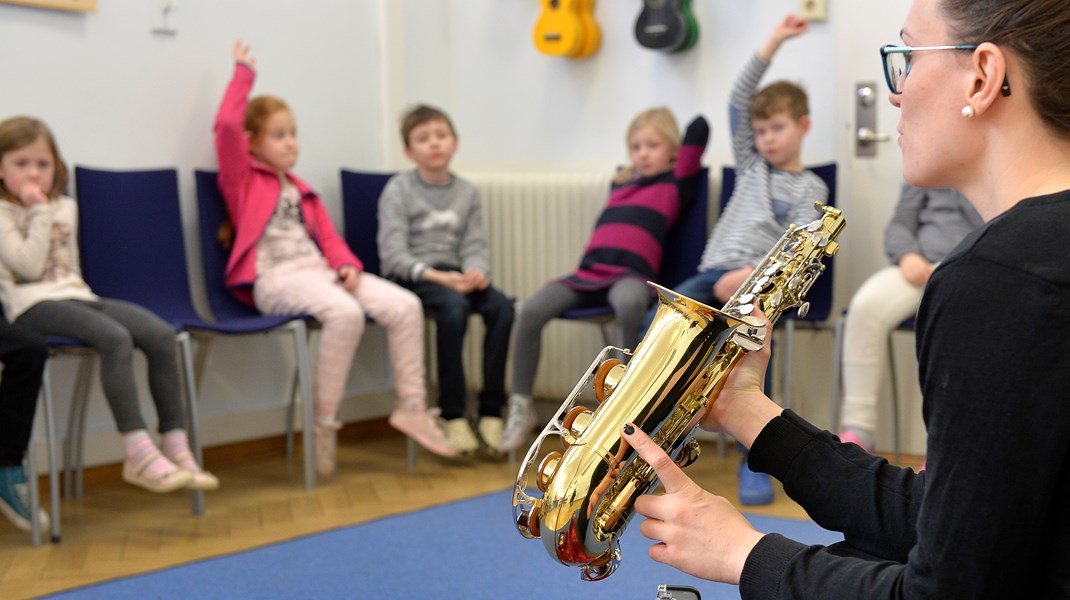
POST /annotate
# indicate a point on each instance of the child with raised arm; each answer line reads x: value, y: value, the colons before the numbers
x: 23, y: 354
x: 772, y: 191
x: 623, y: 253
x: 42, y: 290
x: 288, y: 258
x: 432, y: 240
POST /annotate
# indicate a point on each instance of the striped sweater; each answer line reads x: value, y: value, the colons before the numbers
x: 629, y: 236
x: 765, y: 200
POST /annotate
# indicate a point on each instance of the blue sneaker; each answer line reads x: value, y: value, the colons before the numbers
x: 755, y: 489
x: 15, y: 499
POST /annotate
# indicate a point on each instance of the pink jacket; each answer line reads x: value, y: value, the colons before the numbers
x: 251, y: 191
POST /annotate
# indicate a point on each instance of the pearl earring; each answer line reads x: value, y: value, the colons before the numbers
x: 967, y: 111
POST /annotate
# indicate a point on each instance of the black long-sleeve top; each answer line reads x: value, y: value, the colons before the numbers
x: 990, y: 517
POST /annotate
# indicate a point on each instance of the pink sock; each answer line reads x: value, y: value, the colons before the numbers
x: 139, y: 448
x: 175, y: 446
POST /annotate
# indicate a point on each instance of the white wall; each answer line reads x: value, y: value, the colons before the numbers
x: 120, y: 96
x: 513, y: 105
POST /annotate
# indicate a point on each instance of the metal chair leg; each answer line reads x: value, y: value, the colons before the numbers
x: 300, y: 335
x: 410, y: 453
x: 291, y: 409
x: 75, y: 426
x: 35, y: 494
x: 785, y: 362
x: 53, y: 463
x: 192, y: 416
x: 895, y: 396
x: 85, y: 382
x: 837, y: 373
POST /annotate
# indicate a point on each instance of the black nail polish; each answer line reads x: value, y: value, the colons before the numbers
x: 629, y: 429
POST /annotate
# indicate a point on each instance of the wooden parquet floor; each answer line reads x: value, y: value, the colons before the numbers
x: 118, y: 530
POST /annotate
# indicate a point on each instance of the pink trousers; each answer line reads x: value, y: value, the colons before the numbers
x: 314, y: 288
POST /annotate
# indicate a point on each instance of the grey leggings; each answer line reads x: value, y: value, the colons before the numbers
x: 114, y: 328
x: 628, y: 297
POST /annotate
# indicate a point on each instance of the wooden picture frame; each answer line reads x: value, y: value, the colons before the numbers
x: 67, y: 5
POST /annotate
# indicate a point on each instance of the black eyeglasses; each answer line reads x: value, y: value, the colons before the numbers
x: 897, y: 62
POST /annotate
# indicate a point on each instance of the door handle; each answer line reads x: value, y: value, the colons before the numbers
x: 866, y: 134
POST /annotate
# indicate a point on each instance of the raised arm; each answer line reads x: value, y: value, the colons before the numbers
x: 689, y: 159
x: 746, y: 86
x: 232, y: 147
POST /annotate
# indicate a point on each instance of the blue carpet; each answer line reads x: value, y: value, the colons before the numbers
x: 466, y: 549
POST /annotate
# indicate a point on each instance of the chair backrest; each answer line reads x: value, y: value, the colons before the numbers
x: 131, y: 241
x: 687, y: 239
x: 211, y: 212
x: 820, y: 295
x: 360, y: 207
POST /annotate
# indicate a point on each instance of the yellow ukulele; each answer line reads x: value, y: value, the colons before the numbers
x: 567, y: 28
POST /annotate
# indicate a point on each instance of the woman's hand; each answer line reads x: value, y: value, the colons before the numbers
x: 242, y: 55
x: 742, y: 408
x: 695, y: 531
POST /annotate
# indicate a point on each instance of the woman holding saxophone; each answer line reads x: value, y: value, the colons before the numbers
x: 984, y: 92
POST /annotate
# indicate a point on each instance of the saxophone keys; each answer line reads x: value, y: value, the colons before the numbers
x: 528, y: 522
x: 546, y: 470
x: 803, y: 309
x: 776, y: 299
x: 575, y: 423
x: 607, y: 377
x: 688, y: 454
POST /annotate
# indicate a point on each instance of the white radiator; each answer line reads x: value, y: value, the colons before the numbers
x: 538, y: 225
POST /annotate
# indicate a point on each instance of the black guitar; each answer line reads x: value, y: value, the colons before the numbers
x: 666, y: 25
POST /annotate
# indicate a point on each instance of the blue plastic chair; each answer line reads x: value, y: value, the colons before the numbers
x: 233, y: 317
x: 820, y: 294
x: 360, y: 207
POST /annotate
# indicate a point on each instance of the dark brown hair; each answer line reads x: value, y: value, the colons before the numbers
x: 780, y: 97
x: 19, y: 132
x: 1036, y: 32
x: 420, y: 114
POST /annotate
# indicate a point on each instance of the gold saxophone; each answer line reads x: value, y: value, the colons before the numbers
x: 578, y: 482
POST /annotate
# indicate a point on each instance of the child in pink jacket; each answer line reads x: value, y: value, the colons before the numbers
x: 287, y: 258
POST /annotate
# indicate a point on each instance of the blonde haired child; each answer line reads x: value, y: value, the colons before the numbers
x: 623, y: 253
x: 42, y: 290
x: 288, y: 258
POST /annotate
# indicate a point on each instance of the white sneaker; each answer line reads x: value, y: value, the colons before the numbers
x: 518, y: 423
x: 490, y: 430
x: 461, y: 437
x: 423, y: 426
x: 490, y: 435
